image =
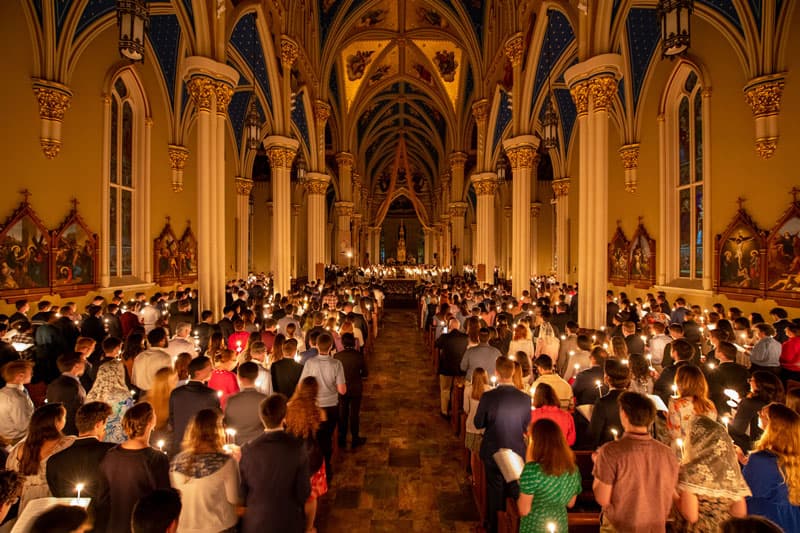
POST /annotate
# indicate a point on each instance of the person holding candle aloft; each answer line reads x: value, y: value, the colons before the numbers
x: 682, y: 353
x: 550, y: 482
x: 206, y: 476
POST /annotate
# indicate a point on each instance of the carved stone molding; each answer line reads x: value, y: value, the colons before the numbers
x: 280, y: 157
x: 514, y: 48
x: 343, y: 209
x: 243, y: 186
x: 322, y: 111
x: 54, y: 100
x: 345, y: 159
x: 289, y: 51
x: 629, y: 154
x: 561, y: 187
x: 202, y: 91
x: 177, y: 161
x: 316, y: 184
x: 766, y: 146
x: 603, y: 89
x: 485, y: 185
x: 522, y: 157
x: 764, y: 95
x: 224, y: 93
x: 458, y: 209
x: 458, y: 160
x: 355, y: 179
x: 536, y: 209
x: 580, y: 95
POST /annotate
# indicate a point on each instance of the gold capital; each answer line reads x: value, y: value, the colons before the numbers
x: 764, y: 96
x: 561, y: 187
x: 322, y: 111
x: 603, y: 89
x: 289, y: 51
x: 630, y: 156
x: 316, y: 185
x: 243, y: 186
x: 522, y: 157
x: 580, y: 95
x: 458, y: 160
x: 345, y: 159
x: 766, y: 146
x: 513, y: 49
x: 201, y: 90
x: 280, y: 157
x: 536, y: 209
x: 484, y: 186
x: 177, y: 156
x: 224, y: 93
x: 458, y: 209
x: 480, y: 109
x: 50, y: 147
x: 54, y: 100
x: 343, y: 209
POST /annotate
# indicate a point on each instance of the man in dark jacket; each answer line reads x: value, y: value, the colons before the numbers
x: 682, y: 353
x: 275, y: 476
x: 727, y: 375
x: 355, y: 370
x: 585, y: 387
x: 452, y: 346
x: 67, y: 388
x: 186, y: 401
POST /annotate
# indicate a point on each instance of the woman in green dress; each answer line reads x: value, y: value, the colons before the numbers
x: 550, y: 481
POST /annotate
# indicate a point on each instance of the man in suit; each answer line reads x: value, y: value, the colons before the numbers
x: 504, y: 413
x: 452, y: 346
x: 728, y: 375
x: 285, y: 370
x: 633, y: 341
x: 612, y: 308
x: 80, y: 463
x: 605, y: 415
x: 355, y: 370
x: 568, y: 345
x: 187, y: 400
x: 585, y: 388
x: 682, y: 353
x: 276, y: 481
x: 204, y: 329
x: 67, y: 388
x: 241, y: 409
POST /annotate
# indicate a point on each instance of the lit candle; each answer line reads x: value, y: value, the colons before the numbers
x: 599, y: 386
x: 644, y: 338
x: 615, y: 433
x: 160, y: 444
x: 219, y: 394
x: 726, y: 420
x: 563, y: 337
x: 711, y: 366
x: 679, y: 442
x: 551, y: 527
x: 625, y: 362
x: 494, y: 381
x: 594, y: 338
x: 78, y: 489
x: 230, y: 433
x: 674, y: 390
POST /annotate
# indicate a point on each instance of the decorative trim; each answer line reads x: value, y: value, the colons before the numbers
x: 561, y: 187
x: 243, y: 186
x: 54, y: 99
x: 480, y: 110
x: 458, y: 160
x: 522, y: 157
x: 343, y: 209
x: 766, y: 146
x: 177, y: 161
x: 224, y: 93
x: 536, y: 209
x: 345, y: 159
x: 289, y: 51
x: 513, y: 48
x: 763, y: 95
x: 603, y: 89
x: 280, y: 157
x: 458, y: 209
x: 201, y: 90
x: 485, y: 185
x: 316, y: 185
x: 322, y: 111
x: 629, y: 154
x: 580, y: 95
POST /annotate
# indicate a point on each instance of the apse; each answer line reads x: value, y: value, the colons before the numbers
x: 401, y: 210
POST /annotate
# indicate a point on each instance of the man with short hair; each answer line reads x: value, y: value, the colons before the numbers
x: 579, y: 359
x: 658, y: 342
x: 275, y: 477
x: 678, y: 315
x: 15, y: 402
x: 67, y: 388
x: 180, y: 343
x: 480, y: 356
x: 633, y: 341
x: 258, y: 355
x: 187, y: 400
x: 605, y: 414
x: 241, y: 409
x: 544, y: 365
x: 682, y: 353
x: 504, y: 413
x: 151, y: 360
x: 285, y: 370
x: 332, y: 382
x: 22, y: 307
x: 355, y: 371
x: 635, y: 497
x: 151, y: 313
x: 585, y: 387
x: 780, y: 321
x: 451, y: 345
x: 311, y: 343
x: 204, y: 329
x: 727, y: 375
x: 766, y: 353
x: 568, y: 344
x: 158, y: 512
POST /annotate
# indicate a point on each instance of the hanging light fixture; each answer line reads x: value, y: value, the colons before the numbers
x: 501, y: 167
x: 134, y: 21
x: 675, y: 18
x: 301, y: 166
x: 253, y: 119
x: 550, y: 119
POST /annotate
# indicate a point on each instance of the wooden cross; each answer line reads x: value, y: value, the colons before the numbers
x: 26, y: 194
x: 168, y: 218
x: 741, y: 202
x: 619, y: 223
x: 74, y: 203
x: 641, y: 219
x: 794, y: 192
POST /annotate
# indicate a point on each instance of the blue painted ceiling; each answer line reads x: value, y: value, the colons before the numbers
x: 644, y: 35
x: 165, y: 36
x: 300, y: 119
x: 247, y: 41
x: 557, y: 37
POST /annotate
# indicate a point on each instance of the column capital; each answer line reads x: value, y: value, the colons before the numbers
x: 343, y: 209
x: 521, y: 151
x: 213, y: 75
x: 355, y: 177
x: 316, y: 183
x: 458, y: 209
x: 322, y: 111
x: 580, y: 95
x: 561, y: 187
x: 202, y: 91
x: 603, y: 89
x: 296, y: 209
x: 356, y: 217
x: 485, y: 183
x: 458, y: 160
x: 445, y: 178
x: 345, y: 159
x: 763, y: 94
x: 480, y: 109
x: 177, y: 156
x: 289, y: 51
x: 580, y: 76
x: 224, y: 93
x: 629, y: 154
x: 53, y: 98
x: 513, y: 48
x: 281, y: 150
x: 243, y: 186
x: 536, y: 208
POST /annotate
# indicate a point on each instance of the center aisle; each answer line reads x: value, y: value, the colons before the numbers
x: 410, y: 474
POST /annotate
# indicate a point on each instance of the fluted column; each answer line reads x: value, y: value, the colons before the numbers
x: 485, y: 185
x: 269, y: 236
x: 561, y: 192
x: 316, y: 185
x: 243, y: 188
x: 296, y: 239
x: 356, y: 237
x: 177, y: 161
x: 521, y: 151
x: 223, y: 93
x: 504, y: 263
x: 281, y: 152
x: 473, y: 236
x: 763, y: 94
x: 536, y: 209
x: 457, y: 212
x: 343, y: 244
x: 447, y: 242
x: 375, y: 245
x: 428, y: 245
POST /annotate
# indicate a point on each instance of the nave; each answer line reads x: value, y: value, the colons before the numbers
x: 410, y: 475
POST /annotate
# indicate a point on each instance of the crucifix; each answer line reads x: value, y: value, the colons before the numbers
x: 741, y: 202
x: 26, y: 195
x: 641, y: 219
x: 74, y: 203
x: 794, y: 192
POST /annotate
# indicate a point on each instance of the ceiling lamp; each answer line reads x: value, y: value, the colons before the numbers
x: 675, y: 18
x: 133, y: 20
x: 252, y: 124
x: 301, y: 166
x: 550, y: 125
x: 501, y: 167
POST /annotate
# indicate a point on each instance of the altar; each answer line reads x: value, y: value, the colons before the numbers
x: 399, y: 290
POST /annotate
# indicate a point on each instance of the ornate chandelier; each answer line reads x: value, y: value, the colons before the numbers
x: 133, y: 20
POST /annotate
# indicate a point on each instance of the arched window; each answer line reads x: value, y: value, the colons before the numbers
x: 121, y: 186
x: 686, y: 252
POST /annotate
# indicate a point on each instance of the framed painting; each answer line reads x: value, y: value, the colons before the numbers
x: 166, y: 257
x: 25, y: 246
x: 783, y: 258
x: 739, y: 258
x: 642, y: 259
x: 74, y: 256
x: 187, y: 255
x: 618, y: 258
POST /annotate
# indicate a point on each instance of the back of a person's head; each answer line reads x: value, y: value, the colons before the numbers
x: 158, y: 512
x: 324, y: 343
x: 617, y: 373
x: 248, y: 371
x: 14, y: 368
x: 272, y: 410
x: 749, y: 524
x: 543, y: 395
x: 60, y: 519
x: 544, y: 362
x: 198, y: 364
x: 584, y: 342
x: 136, y: 419
x: 156, y: 336
x: 349, y: 341
x: 483, y: 335
x: 504, y: 367
x: 90, y: 414
x: 548, y: 448
x: 683, y: 349
x: 640, y: 410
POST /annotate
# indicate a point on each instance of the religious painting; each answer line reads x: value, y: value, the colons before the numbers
x: 618, y: 258
x: 430, y: 17
x: 74, y: 256
x: 739, y: 258
x: 423, y: 73
x: 642, y: 259
x: 446, y: 62
x: 166, y: 254
x: 357, y: 64
x: 187, y: 256
x: 372, y: 18
x: 379, y: 73
x: 783, y: 256
x: 24, y: 254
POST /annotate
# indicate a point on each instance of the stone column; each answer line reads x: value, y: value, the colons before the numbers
x: 561, y: 192
x: 473, y: 237
x: 536, y: 208
x: 763, y: 94
x: 505, y: 242
x: 447, y: 243
x: 271, y: 255
x: 281, y: 152
x: 375, y: 248
x: 457, y: 212
x: 356, y: 237
x: 343, y: 244
x: 458, y: 161
x: 428, y: 245
x: 485, y: 185
x: 521, y: 151
x: 316, y: 185
x: 54, y: 99
x: 295, y: 239
x: 243, y: 188
x: 223, y: 92
x: 629, y: 154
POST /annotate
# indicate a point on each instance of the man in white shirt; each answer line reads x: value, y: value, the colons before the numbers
x: 151, y: 361
x: 150, y: 314
x: 15, y: 403
x: 544, y: 364
x: 258, y: 354
x: 181, y: 343
x: 283, y: 322
x: 658, y: 342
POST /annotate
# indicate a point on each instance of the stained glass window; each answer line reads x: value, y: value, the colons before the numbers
x: 120, y: 205
x: 690, y: 179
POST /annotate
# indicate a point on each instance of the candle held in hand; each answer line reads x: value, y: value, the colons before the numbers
x: 78, y: 488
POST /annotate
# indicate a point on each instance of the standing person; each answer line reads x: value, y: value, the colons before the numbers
x: 711, y: 488
x: 158, y: 397
x: 67, y: 388
x: 766, y: 353
x: 544, y: 367
x: 275, y: 476
x: 110, y: 388
x: 765, y: 388
x: 773, y: 470
x: 790, y: 354
x: 452, y: 344
x: 473, y: 391
x: 11, y: 484
x: 29, y: 456
x: 480, y: 356
x: 241, y: 410
x: 504, y: 413
x: 550, y: 482
x: 285, y: 371
x: 151, y: 360
x: 206, y: 477
x: 133, y: 469
x: 15, y: 402
x: 546, y: 405
x: 222, y: 379
x: 635, y: 498
x: 158, y: 512
x: 355, y: 371
x: 186, y: 401
x: 681, y: 352
x: 331, y: 378
x: 605, y: 415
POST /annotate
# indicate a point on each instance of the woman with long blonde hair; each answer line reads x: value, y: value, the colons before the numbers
x: 773, y: 470
x: 692, y: 400
x: 164, y: 382
x: 206, y: 476
x: 303, y: 419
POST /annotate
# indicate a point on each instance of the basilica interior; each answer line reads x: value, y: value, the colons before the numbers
x: 158, y: 143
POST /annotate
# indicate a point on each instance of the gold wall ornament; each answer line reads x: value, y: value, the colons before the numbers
x: 629, y: 154
x: 50, y: 147
x: 224, y: 93
x: 522, y: 157
x: 280, y: 157
x: 561, y: 187
x: 202, y: 91
x: 458, y: 160
x: 345, y: 159
x: 53, y: 99
x: 289, y: 51
x: 243, y: 186
x: 536, y: 209
x: 322, y: 111
x: 764, y: 97
x: 485, y: 186
x: 458, y: 209
x: 514, y: 48
x: 480, y: 110
x: 177, y: 161
x: 603, y: 89
x: 316, y: 185
x: 580, y: 95
x: 343, y: 209
x: 766, y: 146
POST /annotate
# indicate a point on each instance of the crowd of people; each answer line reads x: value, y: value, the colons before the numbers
x: 690, y: 415
x: 146, y: 415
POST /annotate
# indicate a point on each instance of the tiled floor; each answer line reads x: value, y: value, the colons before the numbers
x: 410, y: 475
